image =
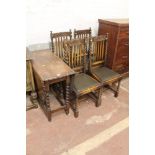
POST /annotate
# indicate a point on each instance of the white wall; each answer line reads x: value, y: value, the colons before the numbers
x: 62, y: 15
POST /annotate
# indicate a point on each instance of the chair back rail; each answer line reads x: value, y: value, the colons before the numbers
x: 98, y: 51
x: 57, y: 42
x: 75, y: 54
x: 82, y: 33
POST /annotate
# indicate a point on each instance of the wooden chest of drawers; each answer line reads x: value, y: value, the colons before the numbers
x: 118, y: 43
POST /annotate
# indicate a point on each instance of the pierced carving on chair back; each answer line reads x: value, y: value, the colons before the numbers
x: 75, y: 54
x: 98, y: 50
x: 82, y: 33
x: 57, y: 42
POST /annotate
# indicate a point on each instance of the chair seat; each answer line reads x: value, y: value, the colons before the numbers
x: 105, y: 74
x: 84, y: 83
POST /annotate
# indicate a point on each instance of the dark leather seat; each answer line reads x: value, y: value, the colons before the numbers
x: 105, y: 74
x: 83, y: 82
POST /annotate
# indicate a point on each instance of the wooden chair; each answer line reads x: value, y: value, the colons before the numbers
x: 97, y: 64
x: 57, y: 48
x: 57, y: 42
x: 82, y: 34
x: 81, y: 83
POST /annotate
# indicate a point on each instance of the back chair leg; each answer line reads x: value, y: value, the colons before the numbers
x: 98, y: 103
x: 117, y: 89
x: 76, y: 112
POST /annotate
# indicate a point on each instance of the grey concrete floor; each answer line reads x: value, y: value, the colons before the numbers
x: 98, y: 130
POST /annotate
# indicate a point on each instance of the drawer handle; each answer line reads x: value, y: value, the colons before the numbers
x: 126, y: 44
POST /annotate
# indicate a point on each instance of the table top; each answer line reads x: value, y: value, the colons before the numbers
x: 48, y: 66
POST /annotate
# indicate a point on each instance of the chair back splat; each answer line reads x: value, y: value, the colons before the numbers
x: 57, y: 42
x: 75, y: 54
x: 98, y: 51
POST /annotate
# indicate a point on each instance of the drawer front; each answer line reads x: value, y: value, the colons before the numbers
x: 121, y: 68
x: 124, y: 32
x: 122, y: 55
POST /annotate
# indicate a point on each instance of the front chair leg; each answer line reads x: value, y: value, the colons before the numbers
x: 117, y: 89
x: 76, y: 112
x: 98, y: 103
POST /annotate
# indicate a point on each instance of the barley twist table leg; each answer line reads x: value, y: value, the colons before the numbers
x: 67, y: 95
x: 47, y: 101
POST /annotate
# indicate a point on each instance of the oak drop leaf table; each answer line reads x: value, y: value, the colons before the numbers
x: 49, y: 69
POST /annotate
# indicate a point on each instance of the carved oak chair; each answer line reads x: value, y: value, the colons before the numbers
x: 82, y: 34
x: 57, y: 42
x: 97, y: 64
x: 81, y: 83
